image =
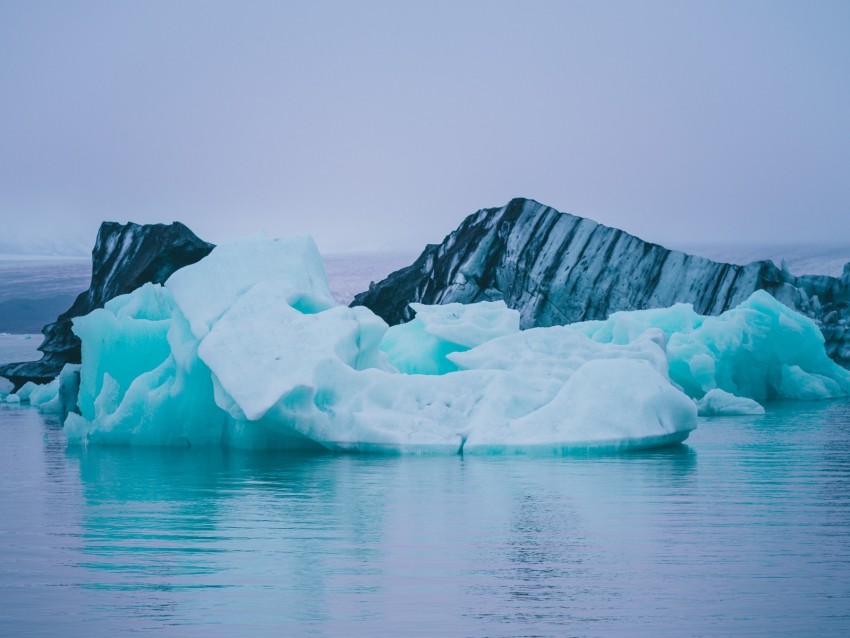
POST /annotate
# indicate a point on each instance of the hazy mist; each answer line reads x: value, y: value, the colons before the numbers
x: 381, y: 125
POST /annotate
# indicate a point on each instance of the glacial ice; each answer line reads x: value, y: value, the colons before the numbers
x: 421, y: 345
x: 163, y: 397
x: 25, y: 391
x: 57, y: 397
x: 211, y: 286
x: 278, y: 352
x: 245, y: 348
x: 60, y: 395
x: 21, y: 396
x: 759, y: 350
x: 716, y: 402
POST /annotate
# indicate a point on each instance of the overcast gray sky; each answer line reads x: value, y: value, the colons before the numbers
x: 381, y: 125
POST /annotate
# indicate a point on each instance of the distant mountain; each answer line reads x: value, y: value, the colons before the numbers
x: 556, y: 268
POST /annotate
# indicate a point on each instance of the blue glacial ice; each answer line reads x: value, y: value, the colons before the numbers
x: 421, y: 345
x: 759, y: 350
x: 247, y: 349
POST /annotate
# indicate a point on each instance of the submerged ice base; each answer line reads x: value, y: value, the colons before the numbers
x: 247, y: 349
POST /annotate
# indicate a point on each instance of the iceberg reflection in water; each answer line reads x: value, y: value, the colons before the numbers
x: 744, y: 531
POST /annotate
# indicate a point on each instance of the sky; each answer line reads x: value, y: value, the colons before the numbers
x: 381, y: 125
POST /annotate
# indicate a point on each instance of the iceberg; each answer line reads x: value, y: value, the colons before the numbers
x: 246, y: 348
x: 719, y: 403
x: 57, y: 397
x: 26, y: 390
x: 759, y: 350
x: 422, y: 345
x: 60, y: 395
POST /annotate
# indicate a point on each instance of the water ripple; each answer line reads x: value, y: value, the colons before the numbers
x: 743, y: 531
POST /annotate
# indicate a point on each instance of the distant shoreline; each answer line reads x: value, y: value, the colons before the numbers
x: 14, y: 257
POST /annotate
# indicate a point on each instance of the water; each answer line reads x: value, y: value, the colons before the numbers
x: 17, y: 348
x: 743, y: 531
x: 34, y: 291
x: 351, y: 273
x: 37, y: 278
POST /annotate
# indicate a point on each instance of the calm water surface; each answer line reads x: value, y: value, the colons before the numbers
x: 745, y: 530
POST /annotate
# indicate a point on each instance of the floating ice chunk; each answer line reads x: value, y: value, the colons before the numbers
x: 44, y: 393
x: 376, y: 411
x: 563, y: 390
x: 25, y: 391
x: 143, y: 382
x: 60, y: 395
x: 717, y: 402
x: 22, y: 395
x: 260, y: 359
x: 165, y: 406
x: 206, y: 289
x: 421, y: 345
x: 760, y: 350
